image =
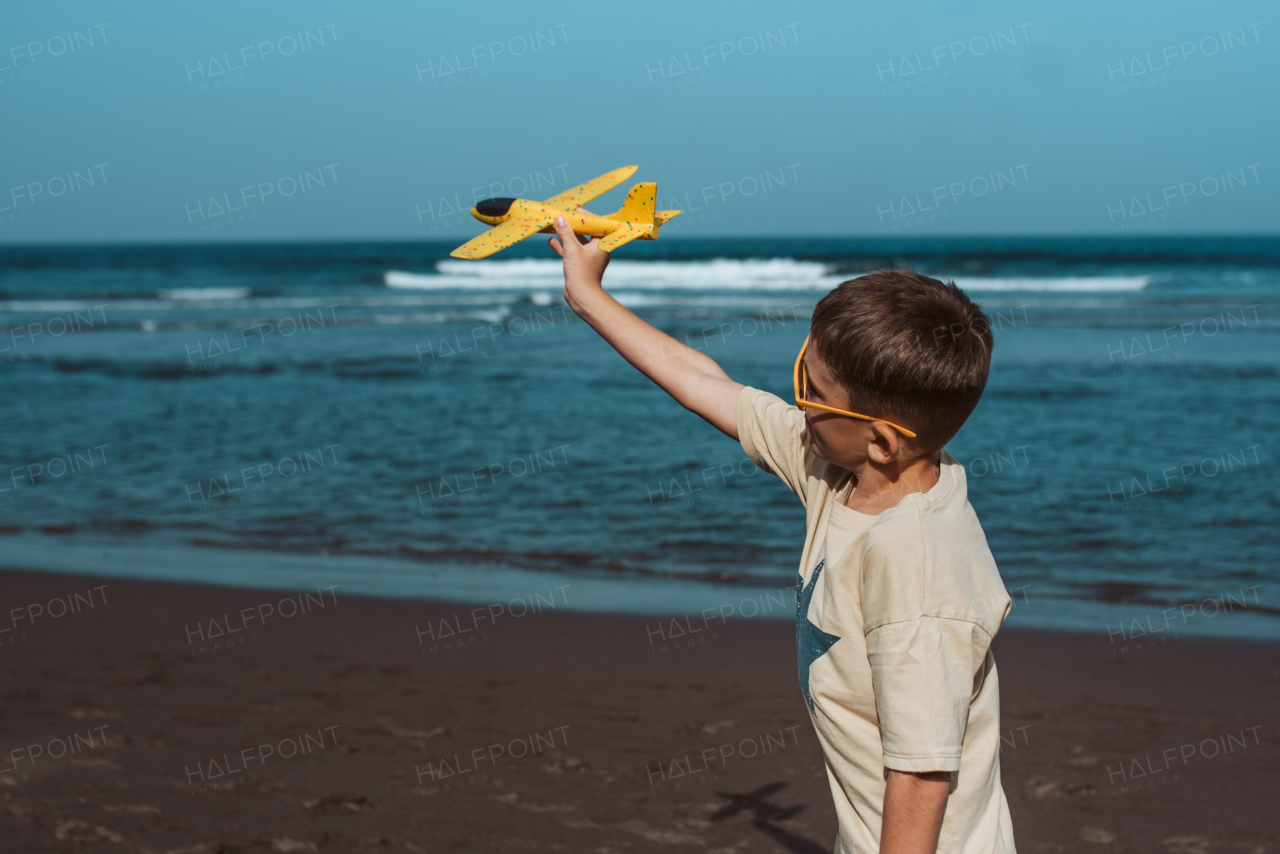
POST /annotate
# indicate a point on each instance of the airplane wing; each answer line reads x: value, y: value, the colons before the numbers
x: 583, y: 193
x: 623, y: 235
x: 501, y: 236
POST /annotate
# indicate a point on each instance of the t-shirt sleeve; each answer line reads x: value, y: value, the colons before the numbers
x: 923, y: 666
x: 923, y: 672
x: 772, y: 435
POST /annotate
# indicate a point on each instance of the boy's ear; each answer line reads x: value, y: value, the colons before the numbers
x: 885, y: 444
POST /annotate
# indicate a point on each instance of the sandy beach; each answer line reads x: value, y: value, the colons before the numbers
x: 157, y: 717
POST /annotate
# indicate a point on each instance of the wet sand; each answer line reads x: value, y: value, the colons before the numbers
x: 157, y: 717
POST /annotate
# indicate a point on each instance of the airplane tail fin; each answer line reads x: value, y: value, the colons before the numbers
x: 639, y: 206
x: 663, y: 217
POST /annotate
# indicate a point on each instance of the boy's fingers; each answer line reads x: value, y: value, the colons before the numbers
x: 556, y: 247
x: 565, y: 232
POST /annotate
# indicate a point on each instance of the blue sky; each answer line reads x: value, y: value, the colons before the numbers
x: 319, y: 121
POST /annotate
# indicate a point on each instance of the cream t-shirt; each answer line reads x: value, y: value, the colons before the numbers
x: 894, y: 619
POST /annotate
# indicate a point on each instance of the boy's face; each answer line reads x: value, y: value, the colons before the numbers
x: 838, y: 439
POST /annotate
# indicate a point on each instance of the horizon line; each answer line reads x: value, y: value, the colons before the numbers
x: 751, y: 238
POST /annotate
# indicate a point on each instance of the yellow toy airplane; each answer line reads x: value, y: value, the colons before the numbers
x: 516, y: 219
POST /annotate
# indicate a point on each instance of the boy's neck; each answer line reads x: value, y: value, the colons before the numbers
x: 878, y: 488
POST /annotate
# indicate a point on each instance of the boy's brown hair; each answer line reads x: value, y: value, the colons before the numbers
x: 907, y: 348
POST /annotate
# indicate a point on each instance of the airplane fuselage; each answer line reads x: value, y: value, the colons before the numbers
x: 582, y: 222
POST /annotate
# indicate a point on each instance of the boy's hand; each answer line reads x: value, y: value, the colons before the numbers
x: 584, y: 261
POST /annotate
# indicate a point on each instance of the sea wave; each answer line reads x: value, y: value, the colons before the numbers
x: 286, y: 303
x: 407, y: 318
x: 715, y: 274
x: 765, y: 274
x: 636, y: 299
x: 202, y: 293
x: 1077, y: 284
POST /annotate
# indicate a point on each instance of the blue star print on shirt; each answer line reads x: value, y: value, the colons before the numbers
x: 811, y: 641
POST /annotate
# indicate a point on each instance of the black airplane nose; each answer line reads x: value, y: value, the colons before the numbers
x: 494, y: 207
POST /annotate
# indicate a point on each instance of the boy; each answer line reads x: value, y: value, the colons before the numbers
x: 898, y: 596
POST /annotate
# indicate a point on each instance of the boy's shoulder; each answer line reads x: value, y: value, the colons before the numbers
x: 929, y: 557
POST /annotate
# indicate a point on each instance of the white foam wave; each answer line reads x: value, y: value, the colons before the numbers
x: 202, y: 293
x: 286, y: 303
x: 434, y: 317
x: 634, y: 299
x: 1077, y: 284
x: 756, y: 274
x: 52, y: 305
x: 768, y: 274
x: 406, y: 318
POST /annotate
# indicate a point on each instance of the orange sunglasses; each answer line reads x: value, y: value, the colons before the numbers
x: 802, y: 386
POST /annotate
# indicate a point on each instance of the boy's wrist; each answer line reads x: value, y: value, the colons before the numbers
x: 588, y: 280
x: 582, y: 283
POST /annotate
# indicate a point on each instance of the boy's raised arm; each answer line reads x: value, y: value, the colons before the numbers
x: 692, y: 378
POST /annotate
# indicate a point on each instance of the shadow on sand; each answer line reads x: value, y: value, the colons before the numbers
x: 765, y: 816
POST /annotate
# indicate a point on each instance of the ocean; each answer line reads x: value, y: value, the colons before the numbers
x: 383, y: 418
